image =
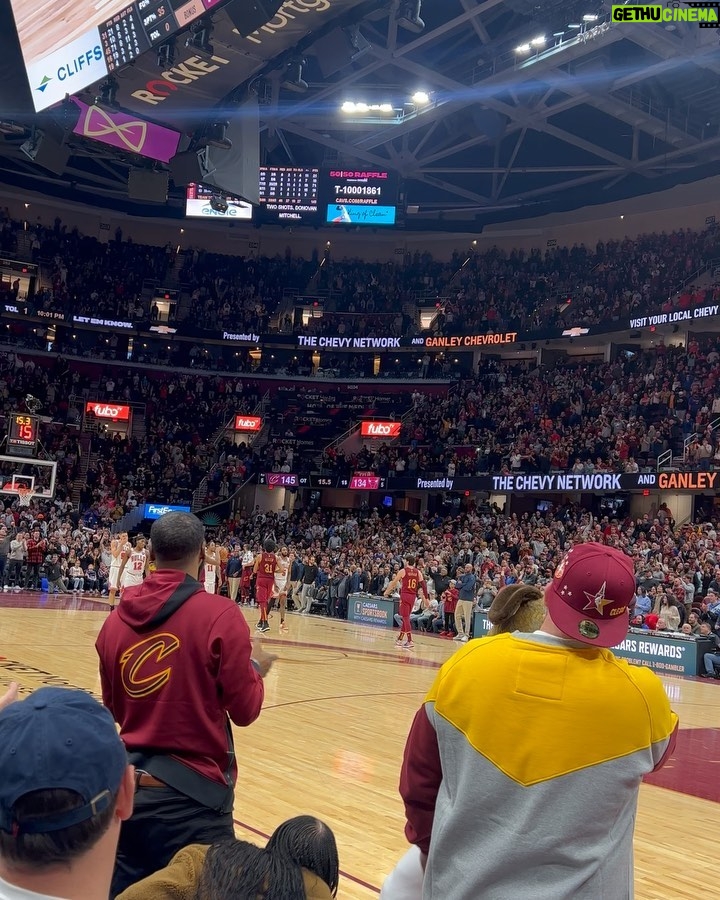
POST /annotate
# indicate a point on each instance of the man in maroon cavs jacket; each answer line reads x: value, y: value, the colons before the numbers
x: 176, y: 666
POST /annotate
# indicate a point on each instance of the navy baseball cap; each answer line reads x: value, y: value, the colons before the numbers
x: 58, y: 739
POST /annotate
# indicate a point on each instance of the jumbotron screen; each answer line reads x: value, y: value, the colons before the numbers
x: 360, y: 197
x: 198, y: 205
x: 67, y: 45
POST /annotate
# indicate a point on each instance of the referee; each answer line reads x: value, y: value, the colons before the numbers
x: 177, y: 666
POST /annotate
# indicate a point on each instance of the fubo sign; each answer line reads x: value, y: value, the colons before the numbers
x: 380, y: 429
x: 114, y: 411
x: 248, y: 423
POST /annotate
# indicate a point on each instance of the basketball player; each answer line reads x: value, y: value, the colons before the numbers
x: 265, y: 566
x: 211, y: 568
x: 118, y: 546
x: 133, y: 566
x: 248, y: 561
x: 280, y: 589
x: 411, y: 580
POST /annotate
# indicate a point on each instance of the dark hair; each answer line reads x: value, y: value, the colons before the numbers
x: 238, y: 870
x: 410, y: 559
x: 270, y: 546
x: 176, y: 537
x: 311, y: 844
x: 43, y: 851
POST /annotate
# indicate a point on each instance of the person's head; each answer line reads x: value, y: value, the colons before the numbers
x: 270, y: 546
x: 410, y: 559
x: 177, y: 540
x: 686, y: 628
x: 238, y: 870
x: 311, y: 844
x: 517, y: 607
x: 66, y: 785
x: 140, y: 543
x: 705, y: 629
x: 590, y: 595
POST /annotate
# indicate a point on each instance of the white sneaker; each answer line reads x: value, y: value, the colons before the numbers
x: 458, y: 637
x: 465, y: 638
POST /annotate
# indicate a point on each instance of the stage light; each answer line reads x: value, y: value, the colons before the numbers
x: 409, y: 16
x: 199, y: 38
x: 590, y: 17
x: 420, y: 98
x: 348, y: 107
x: 538, y: 41
x: 523, y: 48
x: 293, y: 80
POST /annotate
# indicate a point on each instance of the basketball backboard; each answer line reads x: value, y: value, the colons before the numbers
x: 18, y: 473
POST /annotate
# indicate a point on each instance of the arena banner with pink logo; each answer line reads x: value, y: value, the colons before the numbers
x: 126, y: 132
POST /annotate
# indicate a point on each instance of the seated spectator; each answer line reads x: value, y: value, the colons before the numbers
x: 300, y: 861
x: 65, y: 789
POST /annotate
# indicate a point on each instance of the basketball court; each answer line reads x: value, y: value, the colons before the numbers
x: 338, y: 705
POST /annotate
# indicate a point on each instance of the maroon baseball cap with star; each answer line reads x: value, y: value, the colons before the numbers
x: 590, y: 596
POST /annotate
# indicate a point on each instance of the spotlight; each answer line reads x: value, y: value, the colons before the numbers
x: 409, y: 16
x: 293, y: 80
x: 538, y: 41
x: 218, y: 203
x: 107, y: 98
x: 199, y: 38
x: 166, y: 54
x: 590, y: 17
x: 574, y: 25
x: 420, y: 98
x: 523, y: 48
x: 348, y: 107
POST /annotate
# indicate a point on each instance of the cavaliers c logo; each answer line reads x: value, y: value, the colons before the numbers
x: 139, y: 665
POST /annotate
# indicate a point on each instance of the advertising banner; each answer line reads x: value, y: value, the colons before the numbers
x: 247, y: 423
x: 666, y: 655
x: 114, y: 411
x: 126, y: 132
x: 367, y: 609
x: 380, y: 429
x: 155, y: 510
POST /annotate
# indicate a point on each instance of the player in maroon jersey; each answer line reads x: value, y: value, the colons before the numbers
x: 264, y: 569
x: 411, y: 580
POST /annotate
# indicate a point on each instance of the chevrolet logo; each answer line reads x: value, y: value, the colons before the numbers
x: 575, y: 332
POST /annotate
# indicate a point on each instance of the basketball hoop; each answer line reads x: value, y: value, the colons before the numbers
x: 24, y: 496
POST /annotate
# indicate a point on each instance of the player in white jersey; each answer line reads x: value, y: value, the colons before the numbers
x: 211, y: 567
x: 133, y: 566
x: 118, y: 546
x: 280, y: 589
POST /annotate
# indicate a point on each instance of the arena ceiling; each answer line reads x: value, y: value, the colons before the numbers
x: 596, y: 111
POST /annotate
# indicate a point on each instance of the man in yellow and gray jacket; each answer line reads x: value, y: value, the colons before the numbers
x: 522, y: 768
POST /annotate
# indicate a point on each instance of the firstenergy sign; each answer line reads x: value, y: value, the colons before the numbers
x: 380, y: 429
x: 112, y: 411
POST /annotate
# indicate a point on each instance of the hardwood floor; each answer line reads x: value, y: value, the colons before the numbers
x: 339, y: 703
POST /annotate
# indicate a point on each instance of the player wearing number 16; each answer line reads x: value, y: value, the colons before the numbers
x: 177, y: 667
x: 411, y: 580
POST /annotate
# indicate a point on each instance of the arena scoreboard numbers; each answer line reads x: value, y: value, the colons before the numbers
x: 144, y: 24
x: 361, y: 197
x: 22, y: 434
x: 289, y: 193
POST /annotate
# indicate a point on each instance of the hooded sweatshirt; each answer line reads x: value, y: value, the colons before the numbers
x: 175, y: 667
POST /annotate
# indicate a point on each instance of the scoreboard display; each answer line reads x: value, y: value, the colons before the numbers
x: 289, y: 193
x: 361, y: 197
x: 22, y: 434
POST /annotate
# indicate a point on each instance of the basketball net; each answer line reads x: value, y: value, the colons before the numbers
x: 24, y: 496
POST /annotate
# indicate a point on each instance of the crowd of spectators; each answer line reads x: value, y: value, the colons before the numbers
x: 337, y: 553
x: 475, y: 291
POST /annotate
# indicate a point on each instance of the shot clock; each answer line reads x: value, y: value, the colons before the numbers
x: 22, y: 434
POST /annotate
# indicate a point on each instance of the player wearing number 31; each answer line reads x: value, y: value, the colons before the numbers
x: 411, y: 580
x: 176, y: 668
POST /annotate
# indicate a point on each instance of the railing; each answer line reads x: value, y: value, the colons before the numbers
x: 690, y: 439
x: 229, y: 499
x: 664, y: 459
x: 200, y: 492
